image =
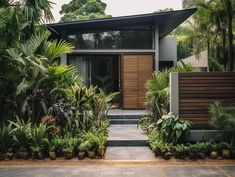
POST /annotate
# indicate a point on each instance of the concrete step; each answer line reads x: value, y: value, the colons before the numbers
x: 126, y: 135
x: 124, y: 121
x: 129, y: 153
x: 125, y: 116
x: 117, y: 143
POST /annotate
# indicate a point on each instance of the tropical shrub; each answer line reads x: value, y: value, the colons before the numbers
x: 6, y: 138
x: 70, y: 144
x: 223, y: 119
x: 84, y: 146
x: 157, y: 96
x: 39, y: 139
x: 40, y: 81
x: 172, y: 129
x: 61, y: 111
x: 21, y: 134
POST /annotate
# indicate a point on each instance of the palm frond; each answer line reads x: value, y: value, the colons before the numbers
x: 56, y: 48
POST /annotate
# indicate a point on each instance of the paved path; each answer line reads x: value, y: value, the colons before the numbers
x: 126, y: 141
x: 121, y: 171
x: 126, y: 132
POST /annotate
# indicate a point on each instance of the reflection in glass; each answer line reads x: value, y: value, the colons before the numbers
x: 122, y: 39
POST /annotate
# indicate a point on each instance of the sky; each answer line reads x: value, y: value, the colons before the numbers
x: 126, y: 7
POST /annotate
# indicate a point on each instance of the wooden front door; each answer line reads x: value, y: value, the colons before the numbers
x: 136, y: 70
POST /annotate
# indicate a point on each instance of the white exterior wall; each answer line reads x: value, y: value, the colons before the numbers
x: 168, y: 49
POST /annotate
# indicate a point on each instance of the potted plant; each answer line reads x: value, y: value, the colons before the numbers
x: 180, y: 151
x: 165, y: 152
x: 102, y: 140
x: 52, y: 150
x: 22, y: 153
x: 68, y: 152
x: 70, y: 144
x: 202, y: 148
x: 92, y: 144
x: 10, y: 154
x: 214, y: 151
x: 38, y: 140
x: 6, y: 139
x: 21, y: 137
x: 91, y: 150
x: 225, y: 150
x: 82, y: 149
x: 37, y: 152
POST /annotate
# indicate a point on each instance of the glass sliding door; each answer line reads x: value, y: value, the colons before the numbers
x: 98, y: 70
x: 83, y: 65
x: 106, y: 72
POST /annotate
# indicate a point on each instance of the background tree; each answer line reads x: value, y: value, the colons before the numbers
x: 210, y: 28
x: 83, y: 10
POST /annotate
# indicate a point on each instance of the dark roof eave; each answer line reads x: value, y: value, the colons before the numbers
x: 166, y: 21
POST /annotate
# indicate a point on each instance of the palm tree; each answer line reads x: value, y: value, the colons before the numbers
x: 228, y: 4
x: 211, y: 28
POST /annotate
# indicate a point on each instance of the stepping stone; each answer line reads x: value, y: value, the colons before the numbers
x: 129, y: 153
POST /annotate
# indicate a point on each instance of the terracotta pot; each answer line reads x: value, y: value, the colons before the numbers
x: 81, y: 155
x: 68, y: 155
x: 225, y: 154
x: 214, y: 154
x: 52, y: 155
x: 91, y: 154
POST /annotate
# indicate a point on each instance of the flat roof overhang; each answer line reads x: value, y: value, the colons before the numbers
x: 166, y: 21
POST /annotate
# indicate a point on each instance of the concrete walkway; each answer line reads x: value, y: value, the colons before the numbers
x: 126, y: 140
x: 121, y: 171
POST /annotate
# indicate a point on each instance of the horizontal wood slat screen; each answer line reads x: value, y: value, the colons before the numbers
x: 197, y: 91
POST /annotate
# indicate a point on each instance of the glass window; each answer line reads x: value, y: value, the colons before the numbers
x: 119, y: 39
x: 82, y: 41
x: 109, y: 40
x: 137, y: 39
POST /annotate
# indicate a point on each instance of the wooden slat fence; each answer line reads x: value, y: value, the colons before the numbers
x: 197, y: 91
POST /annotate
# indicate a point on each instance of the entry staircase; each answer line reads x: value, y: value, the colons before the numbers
x: 126, y: 140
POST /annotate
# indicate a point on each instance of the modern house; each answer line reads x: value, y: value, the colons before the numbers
x: 200, y: 61
x: 119, y: 54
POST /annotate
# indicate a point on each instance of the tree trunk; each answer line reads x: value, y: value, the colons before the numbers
x: 229, y: 10
x: 225, y: 59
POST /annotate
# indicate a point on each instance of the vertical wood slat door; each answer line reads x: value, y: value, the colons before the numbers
x: 137, y: 69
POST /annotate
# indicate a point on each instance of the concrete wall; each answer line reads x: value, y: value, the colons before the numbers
x: 168, y: 49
